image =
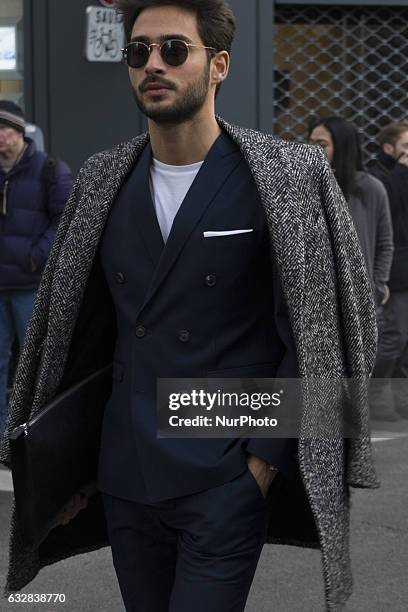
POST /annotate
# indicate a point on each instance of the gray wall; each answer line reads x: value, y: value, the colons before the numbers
x: 86, y: 107
x: 82, y: 107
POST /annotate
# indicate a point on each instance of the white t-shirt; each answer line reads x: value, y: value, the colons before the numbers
x: 169, y: 186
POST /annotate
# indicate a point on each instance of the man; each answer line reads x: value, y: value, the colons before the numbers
x: 171, y: 273
x: 391, y: 168
x: 29, y: 215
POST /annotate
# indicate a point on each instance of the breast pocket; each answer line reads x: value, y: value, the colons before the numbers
x: 226, y: 233
x: 233, y: 251
x: 228, y: 236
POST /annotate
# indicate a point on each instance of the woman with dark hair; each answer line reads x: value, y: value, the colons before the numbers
x: 369, y: 207
x: 365, y: 195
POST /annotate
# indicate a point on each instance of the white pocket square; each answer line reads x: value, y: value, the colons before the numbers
x: 226, y: 233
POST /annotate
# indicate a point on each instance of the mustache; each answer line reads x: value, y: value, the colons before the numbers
x: 155, y: 81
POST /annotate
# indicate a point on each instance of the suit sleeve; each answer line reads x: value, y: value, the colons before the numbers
x: 279, y: 452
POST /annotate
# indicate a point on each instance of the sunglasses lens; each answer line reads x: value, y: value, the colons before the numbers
x: 174, y: 52
x: 137, y: 55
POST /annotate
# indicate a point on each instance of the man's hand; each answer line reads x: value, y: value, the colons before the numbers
x: 386, y: 295
x: 77, y: 503
x: 261, y: 472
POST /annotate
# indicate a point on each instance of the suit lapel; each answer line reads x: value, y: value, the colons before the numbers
x: 221, y: 160
x: 274, y: 176
x: 144, y: 218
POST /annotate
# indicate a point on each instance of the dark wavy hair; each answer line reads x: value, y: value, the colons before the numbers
x: 347, y: 158
x: 215, y: 19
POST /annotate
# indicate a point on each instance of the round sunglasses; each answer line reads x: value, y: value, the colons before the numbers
x: 173, y: 52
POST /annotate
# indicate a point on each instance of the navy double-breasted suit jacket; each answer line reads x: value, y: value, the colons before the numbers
x: 191, y: 308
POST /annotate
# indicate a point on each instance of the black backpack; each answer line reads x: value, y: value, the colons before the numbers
x: 49, y: 173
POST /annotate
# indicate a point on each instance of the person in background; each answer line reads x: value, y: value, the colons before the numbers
x: 366, y: 196
x: 35, y: 133
x: 31, y: 203
x: 370, y: 210
x: 391, y: 167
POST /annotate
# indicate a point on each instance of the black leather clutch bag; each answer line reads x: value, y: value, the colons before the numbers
x: 55, y: 454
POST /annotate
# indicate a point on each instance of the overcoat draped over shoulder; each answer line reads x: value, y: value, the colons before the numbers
x: 332, y: 314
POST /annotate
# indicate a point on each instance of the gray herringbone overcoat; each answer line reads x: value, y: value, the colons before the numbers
x: 332, y: 314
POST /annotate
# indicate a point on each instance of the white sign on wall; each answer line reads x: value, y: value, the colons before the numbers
x: 105, y: 35
x: 8, y: 45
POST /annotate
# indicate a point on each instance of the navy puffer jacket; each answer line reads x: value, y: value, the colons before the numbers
x: 30, y: 210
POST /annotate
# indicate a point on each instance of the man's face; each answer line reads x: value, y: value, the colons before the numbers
x: 399, y: 149
x: 10, y: 140
x: 185, y: 88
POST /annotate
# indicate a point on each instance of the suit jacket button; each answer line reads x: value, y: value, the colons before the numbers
x: 210, y: 280
x: 184, y: 336
x: 140, y: 331
x: 120, y: 278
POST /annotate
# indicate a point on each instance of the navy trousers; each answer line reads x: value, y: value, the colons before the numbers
x: 196, y: 553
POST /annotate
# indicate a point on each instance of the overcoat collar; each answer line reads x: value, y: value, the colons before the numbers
x: 143, y: 216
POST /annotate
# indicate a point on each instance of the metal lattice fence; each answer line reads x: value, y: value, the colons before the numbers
x: 348, y: 61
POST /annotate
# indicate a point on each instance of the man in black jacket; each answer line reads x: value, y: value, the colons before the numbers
x: 30, y: 209
x: 391, y: 168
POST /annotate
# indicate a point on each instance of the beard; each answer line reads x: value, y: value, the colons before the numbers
x: 181, y: 110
